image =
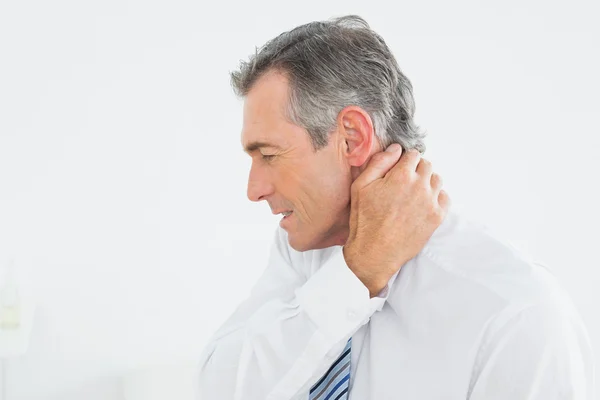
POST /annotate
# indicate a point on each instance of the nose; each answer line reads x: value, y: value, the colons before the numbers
x: 258, y: 185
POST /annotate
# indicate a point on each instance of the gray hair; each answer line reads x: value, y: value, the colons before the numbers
x: 331, y: 65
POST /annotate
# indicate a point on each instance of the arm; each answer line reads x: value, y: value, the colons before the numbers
x: 288, y: 332
x: 542, y: 353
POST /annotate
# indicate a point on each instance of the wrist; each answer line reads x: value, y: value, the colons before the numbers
x: 375, y: 281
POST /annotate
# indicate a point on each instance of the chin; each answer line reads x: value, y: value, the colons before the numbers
x: 298, y: 245
x: 303, y: 244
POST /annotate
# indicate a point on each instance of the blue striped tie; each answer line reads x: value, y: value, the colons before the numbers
x: 334, y: 384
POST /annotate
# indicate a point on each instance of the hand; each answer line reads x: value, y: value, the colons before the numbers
x: 396, y: 205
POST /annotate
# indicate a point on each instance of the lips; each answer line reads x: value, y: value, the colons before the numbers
x: 284, y: 222
x: 281, y: 212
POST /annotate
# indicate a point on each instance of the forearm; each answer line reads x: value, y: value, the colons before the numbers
x: 276, y: 350
x: 252, y: 361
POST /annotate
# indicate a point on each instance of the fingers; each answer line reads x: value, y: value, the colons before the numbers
x: 406, y: 167
x: 397, y: 162
x: 424, y: 168
x: 436, y: 182
x: 379, y: 165
x: 444, y: 200
x: 410, y: 160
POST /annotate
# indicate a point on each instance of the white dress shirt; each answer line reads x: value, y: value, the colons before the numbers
x: 468, y: 318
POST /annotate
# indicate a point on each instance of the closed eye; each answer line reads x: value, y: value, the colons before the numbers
x: 267, y: 157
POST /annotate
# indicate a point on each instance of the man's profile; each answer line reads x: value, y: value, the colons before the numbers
x: 375, y: 288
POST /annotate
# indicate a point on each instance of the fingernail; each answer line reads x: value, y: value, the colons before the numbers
x: 392, y: 148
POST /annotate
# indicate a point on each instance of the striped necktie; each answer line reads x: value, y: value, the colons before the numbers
x: 334, y: 384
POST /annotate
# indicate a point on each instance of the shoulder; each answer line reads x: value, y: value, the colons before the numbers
x: 521, y: 313
x: 471, y: 252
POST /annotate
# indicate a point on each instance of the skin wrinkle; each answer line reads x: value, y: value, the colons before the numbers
x: 315, y: 185
x: 331, y: 95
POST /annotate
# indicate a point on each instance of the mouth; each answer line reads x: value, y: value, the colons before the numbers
x: 286, y: 215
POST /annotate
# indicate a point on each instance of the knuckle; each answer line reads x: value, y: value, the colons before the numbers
x: 424, y: 184
x: 436, y: 180
x: 425, y: 163
x: 444, y: 199
x: 424, y: 181
x: 437, y: 213
x: 413, y: 154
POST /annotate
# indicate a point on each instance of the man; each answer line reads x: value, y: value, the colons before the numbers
x: 374, y: 288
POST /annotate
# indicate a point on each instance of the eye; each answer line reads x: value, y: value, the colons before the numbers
x: 268, y: 157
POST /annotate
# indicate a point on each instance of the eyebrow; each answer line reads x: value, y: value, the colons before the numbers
x: 252, y: 146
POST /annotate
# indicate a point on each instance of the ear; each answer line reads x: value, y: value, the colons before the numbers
x: 357, y: 133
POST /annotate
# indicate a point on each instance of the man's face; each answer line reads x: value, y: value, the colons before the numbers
x: 290, y: 175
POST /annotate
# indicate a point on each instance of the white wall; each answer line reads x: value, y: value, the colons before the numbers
x: 122, y: 180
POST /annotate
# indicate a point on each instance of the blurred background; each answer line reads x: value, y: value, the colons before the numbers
x: 126, y: 237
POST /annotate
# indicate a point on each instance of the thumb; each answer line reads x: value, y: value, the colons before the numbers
x: 379, y: 165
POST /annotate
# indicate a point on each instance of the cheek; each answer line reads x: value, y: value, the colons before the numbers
x: 333, y: 194
x: 318, y: 188
x: 295, y: 188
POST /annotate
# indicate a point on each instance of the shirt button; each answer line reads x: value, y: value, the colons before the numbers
x: 351, y: 315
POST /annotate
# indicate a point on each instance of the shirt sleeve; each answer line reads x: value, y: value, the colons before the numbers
x: 542, y: 353
x: 280, y: 340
